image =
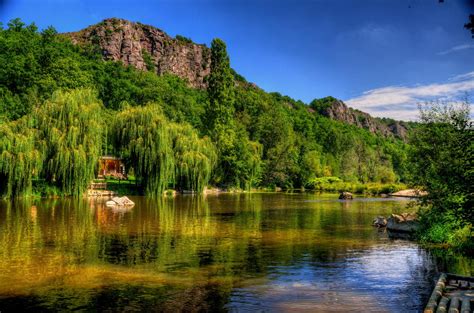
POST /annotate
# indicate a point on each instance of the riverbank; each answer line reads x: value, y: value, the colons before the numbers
x: 130, y: 187
x: 369, y: 189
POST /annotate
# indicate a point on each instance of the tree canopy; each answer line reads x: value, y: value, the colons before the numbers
x: 442, y: 157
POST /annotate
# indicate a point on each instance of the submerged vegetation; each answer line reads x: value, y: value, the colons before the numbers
x: 62, y: 106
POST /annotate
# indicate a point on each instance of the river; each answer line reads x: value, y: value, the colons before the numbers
x: 267, y: 252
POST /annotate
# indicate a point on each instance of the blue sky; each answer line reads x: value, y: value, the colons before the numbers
x: 380, y: 56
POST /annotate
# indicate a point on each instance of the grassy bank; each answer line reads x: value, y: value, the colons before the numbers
x: 445, y: 231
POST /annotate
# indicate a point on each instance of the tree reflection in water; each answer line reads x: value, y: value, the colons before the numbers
x: 276, y: 251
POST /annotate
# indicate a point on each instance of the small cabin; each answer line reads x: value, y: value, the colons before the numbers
x: 111, y: 166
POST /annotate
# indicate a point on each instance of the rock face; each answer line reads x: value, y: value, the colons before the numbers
x: 148, y: 48
x: 338, y: 110
x: 346, y: 196
x: 405, y: 222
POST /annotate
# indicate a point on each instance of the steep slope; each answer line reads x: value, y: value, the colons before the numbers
x: 148, y: 48
x: 338, y: 110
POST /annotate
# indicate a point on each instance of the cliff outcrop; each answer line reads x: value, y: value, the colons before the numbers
x: 148, y: 48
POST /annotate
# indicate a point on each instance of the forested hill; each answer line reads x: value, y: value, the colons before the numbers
x: 338, y: 110
x: 62, y: 106
x: 148, y: 48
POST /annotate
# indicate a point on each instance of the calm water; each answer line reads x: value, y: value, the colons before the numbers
x: 259, y: 252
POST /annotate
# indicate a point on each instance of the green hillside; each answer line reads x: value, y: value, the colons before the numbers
x: 62, y: 106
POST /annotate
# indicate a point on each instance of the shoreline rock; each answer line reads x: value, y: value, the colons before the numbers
x: 398, y: 223
x: 405, y: 222
x: 409, y: 193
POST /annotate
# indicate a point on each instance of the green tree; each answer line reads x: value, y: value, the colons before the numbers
x: 238, y: 157
x: 221, y: 87
x: 71, y: 126
x: 21, y: 157
x: 442, y: 157
x: 162, y: 153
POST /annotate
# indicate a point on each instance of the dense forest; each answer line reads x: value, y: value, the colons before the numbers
x: 62, y: 106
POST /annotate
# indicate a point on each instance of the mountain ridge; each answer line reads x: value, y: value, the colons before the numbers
x: 337, y: 110
x: 149, y: 48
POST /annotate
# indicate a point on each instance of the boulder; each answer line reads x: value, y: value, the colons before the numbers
x: 380, y: 221
x: 120, y: 202
x: 346, y: 196
x: 405, y: 222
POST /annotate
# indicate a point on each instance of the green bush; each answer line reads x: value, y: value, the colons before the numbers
x: 334, y: 184
x: 183, y: 39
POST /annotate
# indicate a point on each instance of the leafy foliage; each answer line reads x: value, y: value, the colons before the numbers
x: 195, y: 157
x: 442, y: 157
x: 70, y: 124
x: 163, y: 153
x: 255, y: 138
x: 221, y: 87
x: 148, y: 60
x: 239, y: 158
x: 20, y: 157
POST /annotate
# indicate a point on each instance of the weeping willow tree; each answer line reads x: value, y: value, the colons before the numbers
x: 71, y: 125
x: 141, y: 134
x: 20, y: 157
x: 163, y: 153
x: 194, y: 158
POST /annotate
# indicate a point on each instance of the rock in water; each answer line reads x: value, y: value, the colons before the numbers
x: 380, y: 221
x: 346, y: 196
x: 120, y: 202
x: 405, y: 222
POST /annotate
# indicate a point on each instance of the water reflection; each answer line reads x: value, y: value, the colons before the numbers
x: 282, y: 252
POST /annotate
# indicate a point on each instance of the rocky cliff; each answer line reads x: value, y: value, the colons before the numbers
x: 338, y: 110
x: 148, y: 48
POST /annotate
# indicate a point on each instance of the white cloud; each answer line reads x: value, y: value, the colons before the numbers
x: 401, y: 102
x: 467, y: 76
x: 456, y: 48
